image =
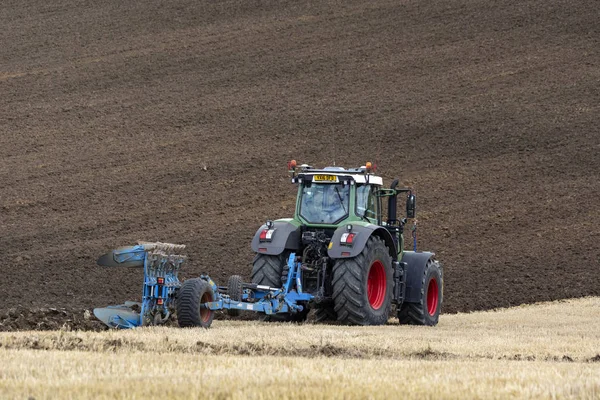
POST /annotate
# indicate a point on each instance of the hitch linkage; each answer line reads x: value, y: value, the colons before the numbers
x: 265, y: 299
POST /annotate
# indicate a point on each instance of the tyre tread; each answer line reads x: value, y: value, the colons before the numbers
x: 349, y: 299
x: 188, y: 303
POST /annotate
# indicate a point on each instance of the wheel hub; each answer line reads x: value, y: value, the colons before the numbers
x: 376, y: 285
x: 432, y: 297
x: 204, y: 310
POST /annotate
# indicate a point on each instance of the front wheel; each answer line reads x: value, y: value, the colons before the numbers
x: 427, y: 310
x: 362, y: 286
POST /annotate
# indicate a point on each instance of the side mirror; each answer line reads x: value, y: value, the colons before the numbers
x: 411, y: 206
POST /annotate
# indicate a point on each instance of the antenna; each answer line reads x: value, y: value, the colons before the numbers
x: 334, y: 140
x: 377, y: 155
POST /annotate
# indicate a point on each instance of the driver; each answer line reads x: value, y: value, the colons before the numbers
x: 325, y: 205
x: 313, y: 203
x: 333, y: 206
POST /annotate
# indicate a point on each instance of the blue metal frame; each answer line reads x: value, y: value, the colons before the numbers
x: 156, y: 265
x: 266, y: 300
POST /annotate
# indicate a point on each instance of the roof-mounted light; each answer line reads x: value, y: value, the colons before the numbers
x: 291, y: 165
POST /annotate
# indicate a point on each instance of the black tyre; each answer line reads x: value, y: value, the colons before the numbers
x: 362, y: 286
x: 234, y: 290
x: 272, y: 271
x: 191, y: 311
x: 268, y: 270
x: 427, y: 310
x: 325, y: 314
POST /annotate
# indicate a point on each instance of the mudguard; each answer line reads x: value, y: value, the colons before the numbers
x: 286, y: 236
x: 415, y: 268
x: 363, y: 233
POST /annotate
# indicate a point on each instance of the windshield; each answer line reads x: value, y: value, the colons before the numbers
x: 324, y: 203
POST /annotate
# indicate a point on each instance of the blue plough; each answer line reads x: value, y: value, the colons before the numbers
x: 200, y: 297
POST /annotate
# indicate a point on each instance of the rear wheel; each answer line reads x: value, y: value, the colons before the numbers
x: 325, y: 314
x: 191, y: 308
x: 362, y: 286
x: 427, y: 310
x: 268, y: 270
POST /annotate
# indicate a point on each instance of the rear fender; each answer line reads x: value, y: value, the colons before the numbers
x: 363, y: 233
x: 415, y: 268
x: 286, y: 236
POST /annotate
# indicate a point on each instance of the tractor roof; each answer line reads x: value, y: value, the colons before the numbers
x: 358, y: 175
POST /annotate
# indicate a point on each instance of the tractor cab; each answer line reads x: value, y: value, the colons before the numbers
x: 334, y: 195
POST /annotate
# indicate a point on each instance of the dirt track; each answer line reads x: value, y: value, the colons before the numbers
x: 174, y: 121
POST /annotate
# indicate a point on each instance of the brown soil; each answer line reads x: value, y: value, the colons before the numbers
x: 173, y: 121
x: 22, y: 318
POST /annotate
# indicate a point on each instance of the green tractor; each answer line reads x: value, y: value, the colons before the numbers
x: 336, y: 256
x: 353, y: 262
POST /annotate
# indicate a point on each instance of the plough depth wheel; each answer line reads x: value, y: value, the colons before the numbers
x: 191, y: 304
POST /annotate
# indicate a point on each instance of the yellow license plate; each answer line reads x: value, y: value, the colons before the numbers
x: 325, y: 178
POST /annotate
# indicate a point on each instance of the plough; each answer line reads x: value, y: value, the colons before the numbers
x: 195, y: 300
x: 161, y: 265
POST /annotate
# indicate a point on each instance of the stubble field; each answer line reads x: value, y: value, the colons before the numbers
x: 545, y: 351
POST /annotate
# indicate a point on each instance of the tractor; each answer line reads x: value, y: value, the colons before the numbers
x: 336, y: 256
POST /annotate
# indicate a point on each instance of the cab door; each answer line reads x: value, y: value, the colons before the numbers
x: 366, y: 203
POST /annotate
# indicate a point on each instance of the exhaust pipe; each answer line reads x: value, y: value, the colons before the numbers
x: 392, y: 205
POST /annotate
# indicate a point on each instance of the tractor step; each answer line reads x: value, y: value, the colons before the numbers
x: 399, y: 282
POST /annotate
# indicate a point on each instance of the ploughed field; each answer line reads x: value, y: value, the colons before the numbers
x: 542, y: 351
x: 173, y: 122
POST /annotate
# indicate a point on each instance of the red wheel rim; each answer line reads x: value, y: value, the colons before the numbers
x: 205, y: 312
x: 376, y: 285
x: 432, y: 296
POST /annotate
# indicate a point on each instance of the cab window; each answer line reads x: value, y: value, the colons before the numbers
x: 324, y: 203
x: 366, y: 203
